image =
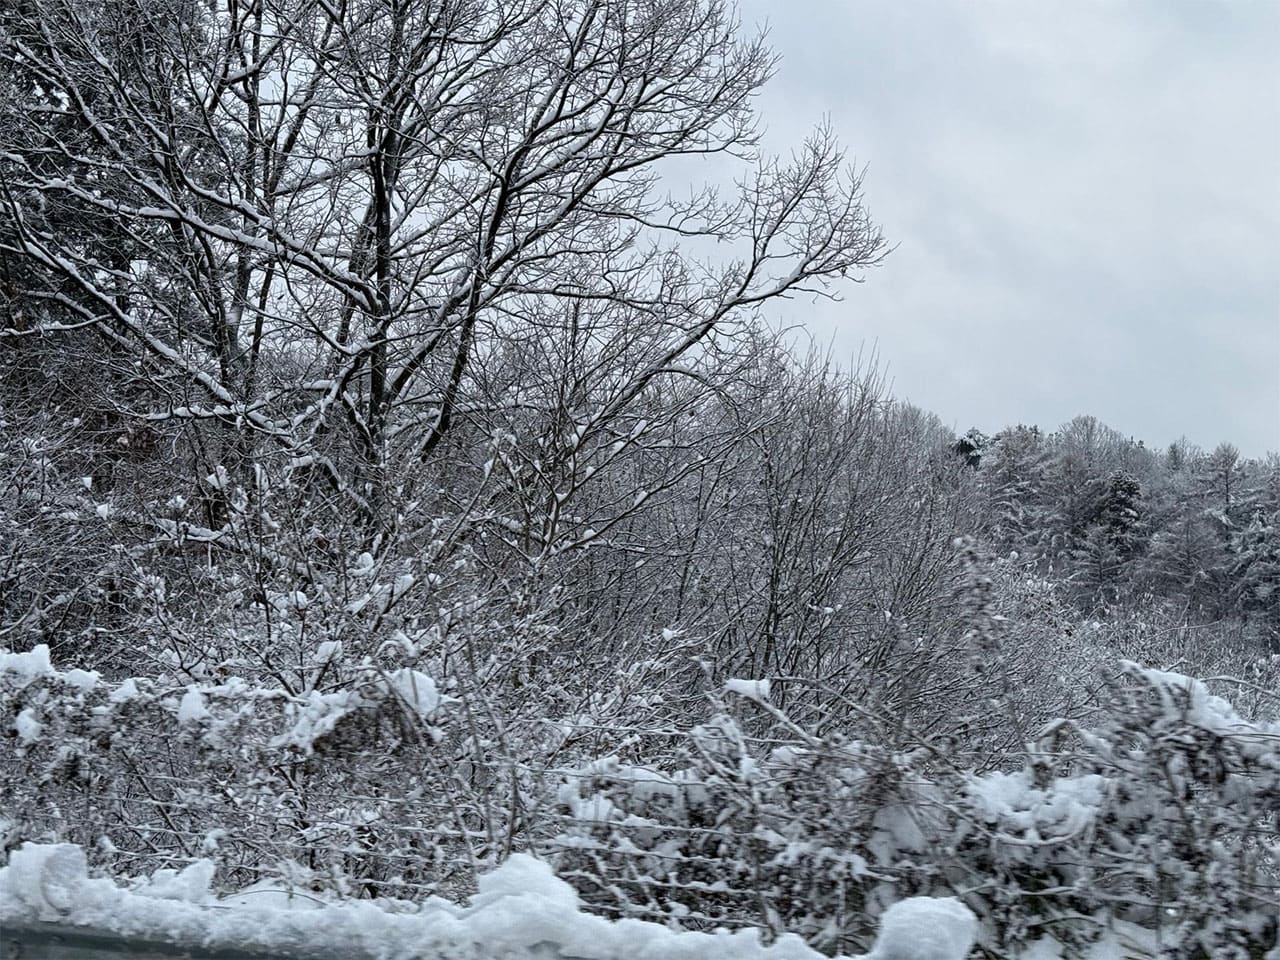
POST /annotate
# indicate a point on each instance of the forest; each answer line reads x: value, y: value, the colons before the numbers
x: 403, y: 466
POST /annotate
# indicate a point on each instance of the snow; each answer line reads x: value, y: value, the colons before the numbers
x: 28, y: 727
x: 1015, y: 803
x: 925, y: 928
x: 36, y: 664
x: 417, y: 690
x: 328, y: 650
x: 520, y: 910
x: 757, y: 690
x: 192, y: 709
x: 190, y: 884
x: 593, y: 809
x: 128, y: 690
x: 314, y: 718
x: 46, y: 875
x: 27, y: 666
x: 84, y: 679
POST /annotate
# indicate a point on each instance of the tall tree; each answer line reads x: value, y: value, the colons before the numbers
x: 1256, y: 573
x: 330, y: 211
x: 1014, y: 483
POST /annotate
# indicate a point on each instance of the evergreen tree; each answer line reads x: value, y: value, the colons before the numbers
x: 1101, y: 559
x: 1222, y: 473
x: 1013, y: 483
x: 1188, y: 561
x: 971, y: 447
x: 1256, y: 573
x: 1122, y: 512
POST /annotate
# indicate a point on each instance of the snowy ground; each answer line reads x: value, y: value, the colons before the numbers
x: 521, y: 910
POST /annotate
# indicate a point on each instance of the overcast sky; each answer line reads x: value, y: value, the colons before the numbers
x: 1085, y: 198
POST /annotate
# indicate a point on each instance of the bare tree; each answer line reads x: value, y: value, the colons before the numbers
x: 328, y: 212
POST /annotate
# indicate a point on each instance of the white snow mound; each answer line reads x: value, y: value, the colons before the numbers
x: 925, y: 928
x: 522, y: 910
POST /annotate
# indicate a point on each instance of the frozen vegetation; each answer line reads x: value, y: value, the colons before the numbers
x: 406, y: 511
x: 1152, y: 828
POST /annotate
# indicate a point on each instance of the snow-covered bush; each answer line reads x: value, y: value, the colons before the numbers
x: 147, y: 773
x: 1159, y: 812
x: 1188, y: 832
x: 814, y: 836
x: 1162, y: 813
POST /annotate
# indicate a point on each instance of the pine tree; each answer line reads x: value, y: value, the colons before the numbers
x: 1122, y: 512
x: 971, y: 447
x: 1255, y: 573
x: 1222, y: 476
x: 1013, y: 483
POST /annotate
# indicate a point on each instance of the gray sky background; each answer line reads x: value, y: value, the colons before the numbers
x: 1085, y: 198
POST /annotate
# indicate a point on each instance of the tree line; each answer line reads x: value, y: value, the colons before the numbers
x: 1120, y: 525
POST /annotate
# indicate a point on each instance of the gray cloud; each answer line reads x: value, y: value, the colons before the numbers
x: 1086, y: 199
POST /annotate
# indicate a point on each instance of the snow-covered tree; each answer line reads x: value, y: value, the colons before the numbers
x: 332, y: 211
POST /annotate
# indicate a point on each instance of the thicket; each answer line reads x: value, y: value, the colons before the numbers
x: 1154, y: 822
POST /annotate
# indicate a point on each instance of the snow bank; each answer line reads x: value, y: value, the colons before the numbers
x: 521, y: 910
x: 925, y: 928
